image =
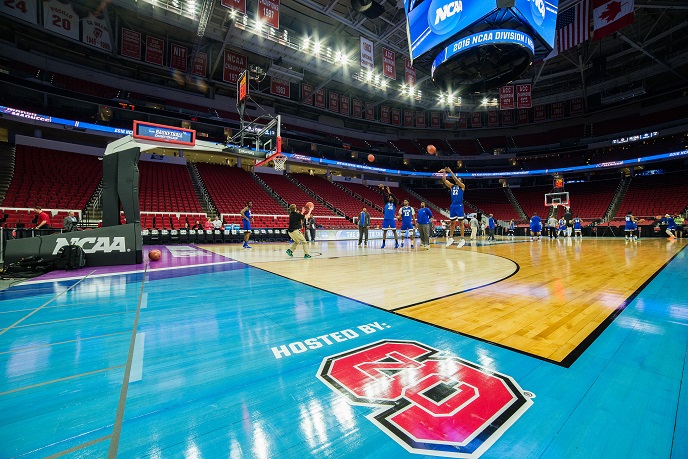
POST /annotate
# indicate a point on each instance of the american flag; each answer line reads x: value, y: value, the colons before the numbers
x: 573, y: 25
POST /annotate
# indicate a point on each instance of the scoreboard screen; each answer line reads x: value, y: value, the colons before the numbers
x: 432, y: 22
x: 541, y: 15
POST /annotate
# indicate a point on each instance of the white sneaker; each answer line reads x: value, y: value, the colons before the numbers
x: 461, y: 243
x: 450, y: 241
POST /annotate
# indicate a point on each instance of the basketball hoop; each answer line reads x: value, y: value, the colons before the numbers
x: 279, y: 162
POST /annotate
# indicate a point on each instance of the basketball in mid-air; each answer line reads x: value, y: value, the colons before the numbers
x: 309, y: 205
x: 371, y: 158
x: 431, y: 149
x: 155, y: 255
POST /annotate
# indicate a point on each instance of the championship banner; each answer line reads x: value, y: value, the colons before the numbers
x: 344, y: 105
x: 280, y: 87
x: 155, y: 50
x: 577, y: 106
x: 179, y: 57
x: 463, y: 121
x: 268, y: 12
x: 320, y: 98
x: 26, y: 10
x: 358, y: 108
x: 130, y: 45
x: 476, y: 120
x: 409, y: 73
x: 508, y: 118
x: 408, y: 118
x: 59, y: 18
x: 307, y: 93
x: 557, y: 110
x: 334, y: 102
x: 200, y: 65
x: 435, y: 120
x: 524, y: 97
x: 237, y: 5
x: 370, y: 111
x: 449, y: 124
x: 522, y: 116
x: 95, y: 32
x: 396, y: 117
x: 540, y: 113
x: 420, y: 119
x: 506, y: 98
x: 234, y: 65
x: 367, y: 61
x: 384, y: 114
x: 389, y: 64
x: 493, y: 118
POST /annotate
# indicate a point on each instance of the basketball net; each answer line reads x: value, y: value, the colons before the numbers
x: 279, y: 162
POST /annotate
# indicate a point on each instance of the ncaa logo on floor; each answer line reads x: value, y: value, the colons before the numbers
x: 428, y: 403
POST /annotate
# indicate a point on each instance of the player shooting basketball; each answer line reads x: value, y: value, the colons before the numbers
x: 456, y: 210
x: 388, y: 220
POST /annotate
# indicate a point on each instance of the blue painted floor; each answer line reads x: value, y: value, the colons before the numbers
x: 232, y: 361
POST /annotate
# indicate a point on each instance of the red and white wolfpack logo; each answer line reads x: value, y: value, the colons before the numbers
x: 429, y: 404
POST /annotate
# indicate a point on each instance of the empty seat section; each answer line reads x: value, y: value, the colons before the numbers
x: 493, y: 201
x: 166, y: 188
x: 652, y: 195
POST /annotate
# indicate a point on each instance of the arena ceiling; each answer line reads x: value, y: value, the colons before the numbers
x: 648, y: 57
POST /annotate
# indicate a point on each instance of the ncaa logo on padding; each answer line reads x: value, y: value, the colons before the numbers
x: 537, y: 9
x: 428, y: 403
x: 444, y: 15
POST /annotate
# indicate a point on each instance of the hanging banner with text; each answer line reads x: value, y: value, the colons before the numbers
x: 389, y: 64
x: 557, y: 110
x: 408, y: 118
x: 523, y: 115
x: 409, y: 73
x: 307, y: 93
x: 420, y: 119
x: 508, y: 118
x: 60, y: 18
x: 130, y: 44
x: 358, y: 108
x: 334, y: 102
x: 320, y: 98
x: 26, y: 10
x: 476, y: 120
x: 344, y: 105
x: 370, y: 111
x: 385, y: 114
x: 367, y: 53
x: 396, y: 117
x: 238, y: 5
x: 492, y: 118
x: 540, y: 113
x: 200, y: 65
x: 524, y: 98
x: 268, y: 12
x: 506, y: 98
x: 155, y: 50
x: 280, y: 87
x: 435, y: 120
x: 179, y: 56
x: 234, y: 65
x: 577, y: 106
x: 96, y: 33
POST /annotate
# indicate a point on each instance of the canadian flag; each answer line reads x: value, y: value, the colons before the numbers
x: 611, y: 15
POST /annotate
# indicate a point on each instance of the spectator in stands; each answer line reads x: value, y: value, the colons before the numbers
x: 186, y: 225
x: 363, y: 225
x: 207, y: 224
x: 217, y: 223
x: 424, y: 220
x: 295, y: 224
x: 42, y: 219
x: 69, y: 222
x: 197, y: 225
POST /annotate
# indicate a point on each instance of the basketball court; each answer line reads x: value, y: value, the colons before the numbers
x: 511, y: 349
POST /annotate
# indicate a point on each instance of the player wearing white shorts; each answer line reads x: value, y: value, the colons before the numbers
x: 407, y: 216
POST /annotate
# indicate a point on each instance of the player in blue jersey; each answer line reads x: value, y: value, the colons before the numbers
x: 389, y: 215
x: 512, y: 229
x: 669, y: 221
x: 629, y: 228
x: 246, y: 223
x: 535, y: 226
x: 577, y: 227
x: 562, y: 227
x: 456, y: 208
x: 491, y: 228
x: 407, y: 221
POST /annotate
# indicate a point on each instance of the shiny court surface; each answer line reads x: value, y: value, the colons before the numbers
x: 204, y: 355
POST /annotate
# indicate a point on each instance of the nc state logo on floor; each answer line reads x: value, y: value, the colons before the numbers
x: 429, y: 404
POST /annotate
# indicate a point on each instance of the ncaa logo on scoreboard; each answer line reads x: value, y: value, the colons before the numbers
x: 537, y: 9
x: 429, y: 403
x: 444, y: 15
